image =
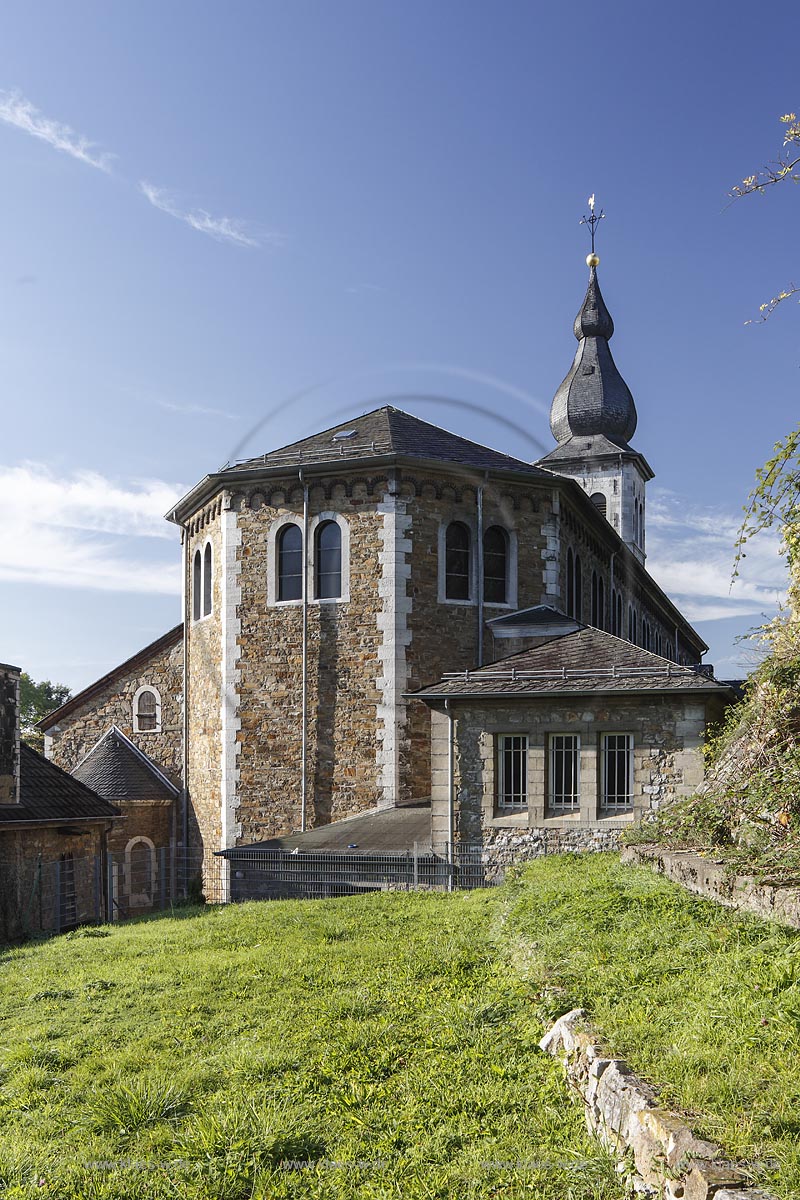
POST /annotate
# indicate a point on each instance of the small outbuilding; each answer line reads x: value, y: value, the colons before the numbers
x: 563, y: 745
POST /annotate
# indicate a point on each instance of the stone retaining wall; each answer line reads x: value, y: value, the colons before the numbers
x: 671, y: 1163
x: 708, y: 877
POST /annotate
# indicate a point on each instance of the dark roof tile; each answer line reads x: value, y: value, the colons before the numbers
x: 49, y: 794
x: 118, y: 770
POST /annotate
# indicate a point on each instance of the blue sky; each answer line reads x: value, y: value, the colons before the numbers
x: 215, y: 216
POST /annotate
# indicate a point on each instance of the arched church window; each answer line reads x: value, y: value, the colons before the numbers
x: 147, y: 710
x: 495, y: 565
x: 598, y: 601
x: 457, y: 562
x: 290, y: 563
x: 328, y: 560
x: 207, y: 580
x: 577, y: 612
x: 599, y: 501
x: 197, y: 585
x: 631, y: 624
x: 570, y: 581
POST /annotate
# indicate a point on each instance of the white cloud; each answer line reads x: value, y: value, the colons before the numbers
x: 690, y: 552
x: 197, y: 410
x: 78, y: 531
x: 224, y: 229
x: 17, y: 111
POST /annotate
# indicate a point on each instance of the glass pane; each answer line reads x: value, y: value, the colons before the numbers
x: 512, y: 763
x: 495, y: 555
x: 564, y: 772
x: 290, y: 563
x: 207, y: 581
x: 329, y: 561
x: 457, y: 562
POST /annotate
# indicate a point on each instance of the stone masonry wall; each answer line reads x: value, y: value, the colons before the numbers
x: 444, y: 635
x: 668, y: 734
x: 80, y: 730
x: 204, y: 686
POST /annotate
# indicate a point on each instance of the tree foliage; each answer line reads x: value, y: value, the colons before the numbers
x: 36, y: 700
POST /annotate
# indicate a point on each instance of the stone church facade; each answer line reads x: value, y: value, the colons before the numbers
x: 326, y: 582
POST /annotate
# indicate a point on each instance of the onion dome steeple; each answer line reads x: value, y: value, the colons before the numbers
x: 593, y: 418
x: 593, y: 399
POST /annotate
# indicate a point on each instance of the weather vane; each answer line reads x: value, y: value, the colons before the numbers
x: 592, y: 221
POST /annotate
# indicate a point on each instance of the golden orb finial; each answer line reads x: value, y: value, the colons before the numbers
x: 592, y: 260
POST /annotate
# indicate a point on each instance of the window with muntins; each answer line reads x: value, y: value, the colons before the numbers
x: 512, y: 770
x: 616, y: 772
x: 599, y: 501
x: 457, y: 562
x: 207, y: 580
x: 564, y: 773
x: 495, y: 565
x: 328, y: 560
x: 290, y: 563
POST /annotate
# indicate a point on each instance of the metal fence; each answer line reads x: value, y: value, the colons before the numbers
x: 38, y: 896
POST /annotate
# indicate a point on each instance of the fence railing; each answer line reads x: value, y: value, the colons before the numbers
x: 38, y: 896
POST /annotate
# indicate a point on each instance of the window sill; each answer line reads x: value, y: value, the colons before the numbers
x: 508, y: 819
x: 311, y: 602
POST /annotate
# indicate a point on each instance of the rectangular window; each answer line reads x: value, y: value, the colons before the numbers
x: 512, y: 771
x: 564, y: 790
x: 616, y: 772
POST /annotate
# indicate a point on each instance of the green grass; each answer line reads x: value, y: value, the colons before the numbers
x: 703, y: 1002
x: 381, y: 1041
x: 388, y: 1043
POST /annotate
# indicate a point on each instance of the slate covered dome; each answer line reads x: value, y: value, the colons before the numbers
x: 594, y: 398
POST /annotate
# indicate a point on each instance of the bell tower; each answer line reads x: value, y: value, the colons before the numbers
x: 593, y: 418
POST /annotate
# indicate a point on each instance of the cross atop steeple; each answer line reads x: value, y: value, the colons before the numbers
x: 592, y: 221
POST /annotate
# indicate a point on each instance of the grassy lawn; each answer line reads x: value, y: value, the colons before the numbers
x: 701, y: 1001
x: 380, y: 1041
x: 385, y: 1045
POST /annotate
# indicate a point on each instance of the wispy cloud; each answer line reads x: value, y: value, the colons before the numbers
x: 690, y: 552
x: 83, y: 531
x: 197, y: 410
x: 224, y: 229
x: 17, y: 111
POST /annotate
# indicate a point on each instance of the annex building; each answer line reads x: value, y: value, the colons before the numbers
x: 387, y: 612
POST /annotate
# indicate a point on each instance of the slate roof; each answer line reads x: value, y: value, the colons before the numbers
x: 118, y: 770
x: 162, y: 643
x: 381, y: 831
x: 49, y: 794
x: 388, y: 431
x: 588, y: 660
x: 593, y: 398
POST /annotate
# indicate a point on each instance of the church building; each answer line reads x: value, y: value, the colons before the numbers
x: 333, y: 586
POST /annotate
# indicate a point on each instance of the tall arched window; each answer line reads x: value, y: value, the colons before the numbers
x: 577, y: 612
x: 570, y: 581
x: 328, y: 559
x: 207, y: 580
x: 197, y: 585
x: 495, y: 565
x: 457, y: 562
x: 631, y: 624
x: 599, y: 501
x: 598, y: 601
x: 290, y: 563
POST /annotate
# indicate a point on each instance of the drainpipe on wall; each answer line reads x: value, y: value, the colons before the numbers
x: 304, y: 685
x: 451, y: 811
x: 479, y: 558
